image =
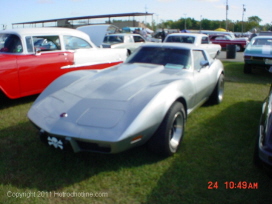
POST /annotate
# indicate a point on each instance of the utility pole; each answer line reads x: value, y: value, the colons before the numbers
x: 244, y: 10
x: 185, y: 22
x: 146, y: 13
x: 200, y: 26
x: 227, y: 8
x: 4, y: 26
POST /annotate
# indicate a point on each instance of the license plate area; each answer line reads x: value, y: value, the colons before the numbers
x: 55, y: 142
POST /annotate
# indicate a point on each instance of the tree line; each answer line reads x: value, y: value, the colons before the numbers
x: 206, y: 24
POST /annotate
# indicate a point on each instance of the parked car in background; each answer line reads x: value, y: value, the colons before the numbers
x: 32, y: 58
x: 144, y: 100
x: 214, y: 32
x: 225, y: 40
x: 266, y: 33
x: 263, y: 147
x: 258, y: 54
x: 200, y: 40
x: 123, y: 40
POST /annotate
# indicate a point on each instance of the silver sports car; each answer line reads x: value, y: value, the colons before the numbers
x: 144, y: 100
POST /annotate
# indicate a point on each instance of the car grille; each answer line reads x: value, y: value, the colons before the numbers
x: 258, y: 58
x: 87, y: 146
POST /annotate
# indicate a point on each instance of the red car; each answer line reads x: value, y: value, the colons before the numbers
x: 225, y: 40
x: 30, y: 59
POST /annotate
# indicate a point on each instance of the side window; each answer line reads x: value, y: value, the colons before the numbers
x: 204, y: 40
x: 11, y: 43
x: 29, y: 44
x: 47, y: 43
x: 221, y: 38
x: 138, y: 39
x: 73, y: 43
x: 198, y: 56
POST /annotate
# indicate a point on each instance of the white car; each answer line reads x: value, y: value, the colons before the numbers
x: 108, y: 36
x: 200, y: 40
x: 123, y: 40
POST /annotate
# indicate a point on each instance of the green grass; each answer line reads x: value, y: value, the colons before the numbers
x: 218, y: 147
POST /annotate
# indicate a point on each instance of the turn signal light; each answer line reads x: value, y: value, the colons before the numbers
x: 136, y: 139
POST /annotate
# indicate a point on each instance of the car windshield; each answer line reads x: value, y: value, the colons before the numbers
x: 181, y: 39
x: 262, y: 41
x: 10, y: 43
x: 169, y: 57
x: 113, y: 39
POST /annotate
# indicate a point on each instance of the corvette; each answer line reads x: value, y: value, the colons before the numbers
x: 144, y: 100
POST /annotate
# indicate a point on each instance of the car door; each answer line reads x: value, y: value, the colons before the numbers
x: 138, y: 41
x: 205, y: 45
x: 202, y: 77
x: 38, y: 69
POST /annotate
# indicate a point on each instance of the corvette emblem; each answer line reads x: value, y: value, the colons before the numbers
x: 55, y: 142
x: 64, y: 115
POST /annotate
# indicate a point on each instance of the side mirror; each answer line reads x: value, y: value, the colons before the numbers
x: 204, y: 63
x: 37, y: 51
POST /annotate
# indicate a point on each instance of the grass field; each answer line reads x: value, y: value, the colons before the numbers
x: 217, y: 148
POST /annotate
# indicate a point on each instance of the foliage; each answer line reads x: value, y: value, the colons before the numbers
x: 206, y: 24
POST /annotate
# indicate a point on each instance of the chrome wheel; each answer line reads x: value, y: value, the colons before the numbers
x: 169, y: 135
x: 176, y: 131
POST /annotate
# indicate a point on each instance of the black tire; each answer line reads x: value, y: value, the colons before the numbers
x: 239, y: 48
x: 247, y: 69
x: 167, y: 138
x: 218, y: 92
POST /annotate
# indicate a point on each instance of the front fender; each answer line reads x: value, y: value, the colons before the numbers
x: 151, y: 116
x: 64, y: 81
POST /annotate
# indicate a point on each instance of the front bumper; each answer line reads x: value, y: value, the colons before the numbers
x: 258, y: 61
x: 75, y: 144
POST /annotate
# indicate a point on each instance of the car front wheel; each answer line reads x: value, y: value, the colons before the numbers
x: 218, y: 92
x: 170, y: 133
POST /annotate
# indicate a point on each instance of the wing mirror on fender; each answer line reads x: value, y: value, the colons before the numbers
x: 204, y: 63
x: 37, y: 51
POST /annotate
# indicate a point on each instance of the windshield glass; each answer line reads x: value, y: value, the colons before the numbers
x: 113, y: 39
x: 262, y: 41
x: 169, y: 57
x: 10, y: 43
x: 181, y: 39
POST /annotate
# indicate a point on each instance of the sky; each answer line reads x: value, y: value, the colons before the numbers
x: 17, y: 11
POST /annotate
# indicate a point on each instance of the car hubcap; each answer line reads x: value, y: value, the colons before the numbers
x: 176, y: 131
x: 221, y: 90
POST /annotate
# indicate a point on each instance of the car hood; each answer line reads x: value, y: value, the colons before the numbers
x: 259, y: 50
x: 123, y: 82
x: 103, y: 99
